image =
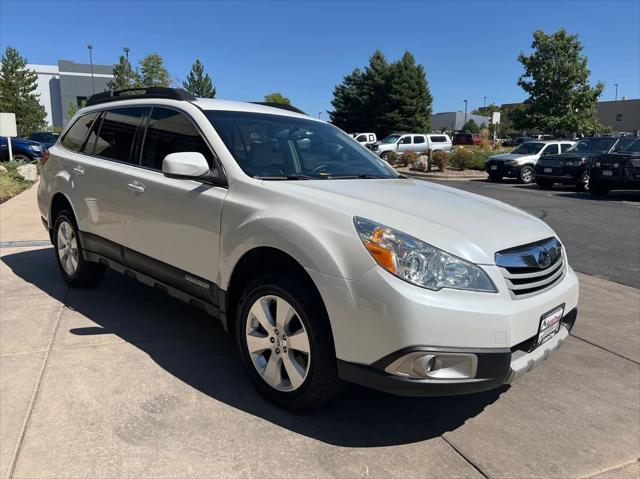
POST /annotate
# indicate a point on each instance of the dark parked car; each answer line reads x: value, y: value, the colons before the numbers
x: 466, y: 139
x: 619, y: 170
x: 24, y: 151
x: 572, y: 167
x: 47, y: 138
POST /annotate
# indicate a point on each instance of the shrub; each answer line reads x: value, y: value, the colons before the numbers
x: 461, y: 158
x: 440, y: 159
x: 391, y: 157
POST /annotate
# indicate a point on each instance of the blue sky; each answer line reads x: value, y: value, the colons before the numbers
x: 303, y: 49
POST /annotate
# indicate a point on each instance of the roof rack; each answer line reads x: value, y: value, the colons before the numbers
x: 282, y: 106
x: 138, y: 93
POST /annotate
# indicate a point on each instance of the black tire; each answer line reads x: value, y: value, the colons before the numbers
x: 86, y: 274
x: 544, y: 184
x: 321, y: 383
x: 385, y: 156
x: 495, y: 178
x: 526, y: 176
x: 583, y: 183
x: 597, y: 189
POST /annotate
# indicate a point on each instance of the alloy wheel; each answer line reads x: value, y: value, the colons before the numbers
x: 278, y: 343
x: 67, y: 245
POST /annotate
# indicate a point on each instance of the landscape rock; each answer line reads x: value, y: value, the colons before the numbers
x: 2, y: 169
x: 28, y: 172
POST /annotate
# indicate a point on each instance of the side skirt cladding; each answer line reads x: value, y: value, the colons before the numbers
x: 177, y: 283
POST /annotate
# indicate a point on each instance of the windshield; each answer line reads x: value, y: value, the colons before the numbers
x: 623, y: 143
x: 391, y: 139
x: 630, y: 146
x: 528, y: 148
x: 283, y: 147
x: 592, y: 145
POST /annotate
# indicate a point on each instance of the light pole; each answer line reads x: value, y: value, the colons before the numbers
x: 616, y: 85
x: 465, y: 113
x: 93, y: 86
x: 484, y: 102
x: 126, y: 53
x: 319, y: 114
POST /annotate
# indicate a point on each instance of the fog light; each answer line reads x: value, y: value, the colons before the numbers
x: 435, y: 365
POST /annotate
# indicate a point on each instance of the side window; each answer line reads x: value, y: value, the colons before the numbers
x: 371, y: 138
x: 361, y: 138
x: 405, y: 140
x: 117, y: 133
x: 551, y: 150
x: 75, y: 137
x: 564, y: 147
x: 170, y: 131
x: 438, y: 139
x: 419, y: 139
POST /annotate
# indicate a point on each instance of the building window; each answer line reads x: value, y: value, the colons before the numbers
x: 618, y: 116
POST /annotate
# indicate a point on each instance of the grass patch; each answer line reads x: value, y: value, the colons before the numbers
x: 11, y: 183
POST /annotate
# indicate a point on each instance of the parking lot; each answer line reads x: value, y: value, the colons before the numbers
x: 123, y: 381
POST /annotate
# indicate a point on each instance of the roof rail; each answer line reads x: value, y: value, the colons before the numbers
x: 138, y: 93
x: 282, y: 106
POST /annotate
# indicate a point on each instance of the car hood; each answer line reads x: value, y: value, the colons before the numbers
x: 20, y: 142
x: 510, y: 156
x: 467, y: 225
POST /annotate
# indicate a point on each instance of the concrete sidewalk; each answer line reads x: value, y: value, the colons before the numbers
x: 123, y: 381
x: 20, y: 220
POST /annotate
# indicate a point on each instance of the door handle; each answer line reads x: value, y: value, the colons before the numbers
x: 136, y: 187
x: 79, y: 170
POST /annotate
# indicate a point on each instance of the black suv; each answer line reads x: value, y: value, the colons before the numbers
x: 572, y: 166
x: 619, y: 170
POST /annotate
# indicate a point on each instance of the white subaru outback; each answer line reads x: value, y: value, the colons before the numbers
x: 327, y: 265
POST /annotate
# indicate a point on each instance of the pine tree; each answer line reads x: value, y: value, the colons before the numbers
x: 348, y: 103
x: 277, y: 97
x: 124, y: 76
x: 153, y: 72
x: 556, y: 78
x: 198, y: 82
x: 17, y: 87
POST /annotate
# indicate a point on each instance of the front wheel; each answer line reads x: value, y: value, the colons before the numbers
x: 526, y: 175
x: 286, y: 344
x: 583, y: 184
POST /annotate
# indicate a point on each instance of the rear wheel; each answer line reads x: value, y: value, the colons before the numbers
x: 286, y: 344
x: 74, y: 268
x: 544, y: 184
x: 526, y: 175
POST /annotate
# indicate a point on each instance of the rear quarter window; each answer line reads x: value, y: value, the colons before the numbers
x: 74, y: 139
x: 438, y: 139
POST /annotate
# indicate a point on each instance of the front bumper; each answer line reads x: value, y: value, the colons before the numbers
x: 560, y: 174
x: 502, y: 169
x: 494, y: 368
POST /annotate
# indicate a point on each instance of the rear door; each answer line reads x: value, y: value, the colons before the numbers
x: 419, y: 143
x: 100, y: 181
x: 176, y: 221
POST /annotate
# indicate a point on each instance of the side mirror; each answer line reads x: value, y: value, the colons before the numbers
x: 188, y: 164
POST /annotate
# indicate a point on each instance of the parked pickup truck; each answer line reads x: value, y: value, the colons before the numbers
x: 416, y: 142
x: 365, y: 139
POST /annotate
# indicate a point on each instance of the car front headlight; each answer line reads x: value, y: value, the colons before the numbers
x: 35, y: 147
x: 420, y: 263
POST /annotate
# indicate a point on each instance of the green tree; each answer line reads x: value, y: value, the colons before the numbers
x: 124, y: 76
x: 385, y: 97
x: 73, y: 108
x: 198, y: 82
x: 17, y: 87
x: 556, y: 79
x: 471, y: 126
x: 153, y: 72
x: 277, y: 98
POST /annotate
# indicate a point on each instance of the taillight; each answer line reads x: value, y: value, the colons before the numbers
x: 45, y: 156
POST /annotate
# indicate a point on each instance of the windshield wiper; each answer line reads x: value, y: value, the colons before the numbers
x: 361, y: 176
x: 290, y: 177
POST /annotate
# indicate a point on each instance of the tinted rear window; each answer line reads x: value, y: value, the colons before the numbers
x: 117, y: 132
x: 438, y: 139
x: 76, y: 135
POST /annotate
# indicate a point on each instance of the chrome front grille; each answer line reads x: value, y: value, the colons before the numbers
x: 532, y: 268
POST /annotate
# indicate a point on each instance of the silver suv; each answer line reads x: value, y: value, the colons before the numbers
x: 325, y: 264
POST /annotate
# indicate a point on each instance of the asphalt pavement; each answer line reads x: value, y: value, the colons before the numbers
x: 601, y: 236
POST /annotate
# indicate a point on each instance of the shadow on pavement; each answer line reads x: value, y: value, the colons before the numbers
x: 193, y: 347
